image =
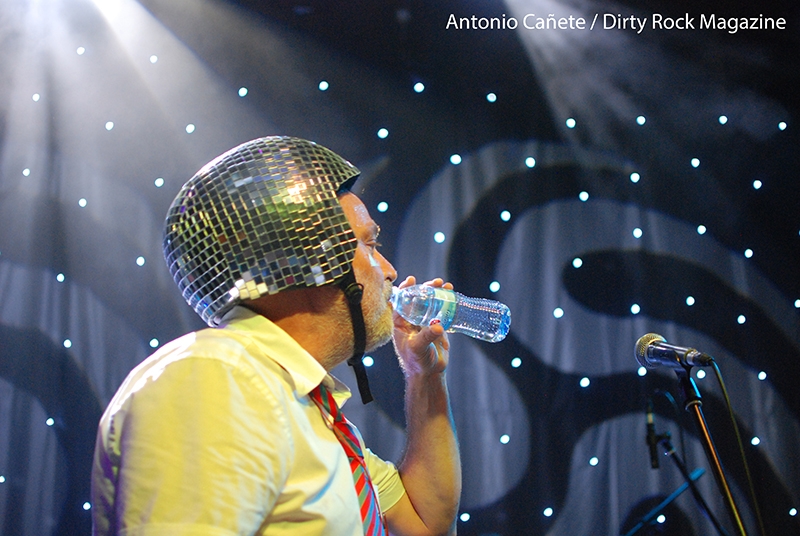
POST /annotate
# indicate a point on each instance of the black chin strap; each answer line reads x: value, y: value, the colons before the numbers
x: 353, y: 292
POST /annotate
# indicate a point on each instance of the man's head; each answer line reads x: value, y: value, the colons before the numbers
x: 275, y: 214
x: 261, y: 218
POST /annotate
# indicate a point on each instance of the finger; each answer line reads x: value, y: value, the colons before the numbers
x: 408, y: 282
x: 427, y: 335
x: 439, y: 331
x: 438, y: 282
x: 436, y: 329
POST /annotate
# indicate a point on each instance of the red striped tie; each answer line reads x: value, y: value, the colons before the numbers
x: 370, y: 513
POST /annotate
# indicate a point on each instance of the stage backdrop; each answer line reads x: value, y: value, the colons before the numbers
x: 607, y: 169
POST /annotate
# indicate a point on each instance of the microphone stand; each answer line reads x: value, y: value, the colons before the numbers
x: 666, y: 442
x: 648, y: 518
x: 693, y: 404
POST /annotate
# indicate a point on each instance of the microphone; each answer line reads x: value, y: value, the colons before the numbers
x: 652, y: 440
x: 653, y: 350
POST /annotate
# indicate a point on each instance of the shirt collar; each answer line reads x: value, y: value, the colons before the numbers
x: 277, y: 345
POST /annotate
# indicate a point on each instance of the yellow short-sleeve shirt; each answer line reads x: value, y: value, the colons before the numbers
x: 215, y: 434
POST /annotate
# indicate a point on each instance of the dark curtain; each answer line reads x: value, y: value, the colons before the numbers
x: 572, y: 196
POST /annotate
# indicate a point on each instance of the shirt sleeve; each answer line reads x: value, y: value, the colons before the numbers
x: 386, y: 480
x: 200, y: 448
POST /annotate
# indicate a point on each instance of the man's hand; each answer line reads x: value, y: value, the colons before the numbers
x: 422, y: 350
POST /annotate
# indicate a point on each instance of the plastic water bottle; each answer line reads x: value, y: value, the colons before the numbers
x: 479, y: 318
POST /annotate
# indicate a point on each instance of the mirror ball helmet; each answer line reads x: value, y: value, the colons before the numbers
x: 259, y: 219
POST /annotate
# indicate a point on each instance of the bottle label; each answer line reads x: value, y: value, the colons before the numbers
x: 448, y: 301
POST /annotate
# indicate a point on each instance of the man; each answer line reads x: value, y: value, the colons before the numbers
x: 231, y: 430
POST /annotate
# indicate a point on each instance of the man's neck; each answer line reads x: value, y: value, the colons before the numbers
x: 317, y: 318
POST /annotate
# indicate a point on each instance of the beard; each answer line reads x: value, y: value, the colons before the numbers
x: 378, y: 317
x: 378, y: 322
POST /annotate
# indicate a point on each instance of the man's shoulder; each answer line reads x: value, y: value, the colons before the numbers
x: 212, y: 348
x: 209, y: 353
x: 212, y: 343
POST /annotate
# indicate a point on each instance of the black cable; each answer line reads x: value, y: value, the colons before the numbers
x: 750, y: 486
x: 678, y: 416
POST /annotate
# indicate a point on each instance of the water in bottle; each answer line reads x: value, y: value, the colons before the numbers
x: 479, y: 318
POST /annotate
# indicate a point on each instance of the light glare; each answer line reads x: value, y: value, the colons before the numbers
x: 324, y: 85
x: 242, y: 91
x: 419, y: 87
x: 491, y: 97
x: 505, y: 215
x: 577, y: 262
x: 583, y: 196
x: 455, y: 159
x: 695, y: 162
x: 159, y: 182
x: 368, y: 361
x: 701, y: 229
x: 585, y: 382
x: 558, y: 312
x: 382, y: 133
x: 530, y: 161
x: 641, y: 120
x: 762, y: 375
x: 190, y: 128
x: 504, y: 439
x: 723, y: 119
x: 635, y: 177
x: 494, y: 286
x: 571, y: 123
x: 593, y: 461
x: 438, y: 237
x: 383, y: 206
x: 153, y: 58
x: 516, y: 362
x: 641, y: 371
x: 637, y: 233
